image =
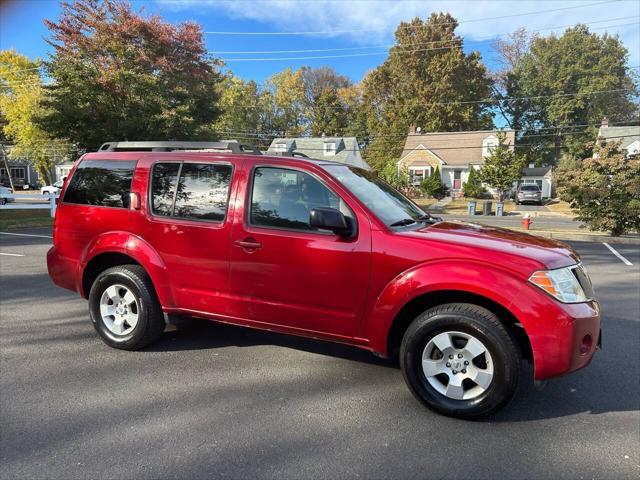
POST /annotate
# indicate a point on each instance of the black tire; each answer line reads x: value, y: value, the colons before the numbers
x: 150, y: 324
x: 484, y: 326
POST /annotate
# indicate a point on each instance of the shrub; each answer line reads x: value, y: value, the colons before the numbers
x: 473, y: 188
x: 432, y: 185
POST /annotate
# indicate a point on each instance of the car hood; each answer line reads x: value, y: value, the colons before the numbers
x: 550, y: 253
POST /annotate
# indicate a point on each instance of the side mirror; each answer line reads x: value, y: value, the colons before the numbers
x: 330, y: 219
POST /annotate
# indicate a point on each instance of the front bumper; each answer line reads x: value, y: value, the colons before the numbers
x: 563, y: 337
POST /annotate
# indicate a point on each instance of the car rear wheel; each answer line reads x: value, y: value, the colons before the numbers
x: 124, y: 308
x: 459, y: 360
x: 3, y: 201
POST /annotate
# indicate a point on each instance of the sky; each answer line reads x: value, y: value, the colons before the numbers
x: 351, y: 35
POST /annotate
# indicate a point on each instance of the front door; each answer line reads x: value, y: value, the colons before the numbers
x: 457, y: 179
x: 285, y: 273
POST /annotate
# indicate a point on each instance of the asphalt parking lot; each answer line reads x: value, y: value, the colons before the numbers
x: 217, y: 401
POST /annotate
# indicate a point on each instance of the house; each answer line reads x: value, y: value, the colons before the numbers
x: 629, y: 137
x: 61, y: 171
x: 23, y: 174
x: 455, y: 153
x: 542, y: 176
x: 337, y: 149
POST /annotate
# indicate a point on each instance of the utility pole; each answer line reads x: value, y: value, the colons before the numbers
x: 6, y: 166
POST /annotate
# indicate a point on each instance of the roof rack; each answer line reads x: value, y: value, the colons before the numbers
x: 233, y: 147
x: 294, y: 154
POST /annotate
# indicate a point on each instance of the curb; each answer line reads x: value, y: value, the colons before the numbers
x: 581, y: 237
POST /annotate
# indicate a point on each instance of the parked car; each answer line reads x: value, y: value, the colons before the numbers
x: 318, y: 249
x: 528, y: 193
x: 52, y: 189
x: 6, y: 195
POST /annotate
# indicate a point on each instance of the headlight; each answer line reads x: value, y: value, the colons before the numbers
x: 561, y: 284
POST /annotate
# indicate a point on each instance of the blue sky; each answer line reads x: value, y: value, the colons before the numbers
x: 361, y: 24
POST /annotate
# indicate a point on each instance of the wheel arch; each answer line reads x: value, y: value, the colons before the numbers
x: 423, y: 302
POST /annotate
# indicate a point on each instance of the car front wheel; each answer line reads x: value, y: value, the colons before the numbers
x: 124, y: 308
x: 459, y: 360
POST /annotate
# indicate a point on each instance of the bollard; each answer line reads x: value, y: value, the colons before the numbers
x: 52, y: 204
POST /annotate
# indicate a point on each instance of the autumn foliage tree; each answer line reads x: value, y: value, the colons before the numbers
x: 120, y: 75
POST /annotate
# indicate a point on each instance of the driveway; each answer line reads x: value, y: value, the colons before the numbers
x: 210, y: 400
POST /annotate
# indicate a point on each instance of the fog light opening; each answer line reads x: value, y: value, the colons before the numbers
x: 587, y: 343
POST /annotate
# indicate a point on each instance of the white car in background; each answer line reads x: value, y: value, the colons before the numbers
x: 6, y: 195
x: 54, y: 189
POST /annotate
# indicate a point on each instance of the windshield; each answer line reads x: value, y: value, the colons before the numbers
x: 389, y: 205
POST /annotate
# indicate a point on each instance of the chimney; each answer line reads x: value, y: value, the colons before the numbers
x: 605, y: 122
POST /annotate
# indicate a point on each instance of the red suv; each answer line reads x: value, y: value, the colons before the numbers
x: 149, y: 230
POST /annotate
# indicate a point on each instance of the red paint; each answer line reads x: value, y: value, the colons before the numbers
x: 322, y: 285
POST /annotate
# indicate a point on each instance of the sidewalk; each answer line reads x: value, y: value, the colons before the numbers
x: 553, y: 226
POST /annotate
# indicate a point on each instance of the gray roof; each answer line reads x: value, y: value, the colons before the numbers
x: 347, y: 149
x: 535, y: 172
x: 626, y: 135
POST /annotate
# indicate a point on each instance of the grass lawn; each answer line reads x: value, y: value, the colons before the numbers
x: 25, y: 218
x: 424, y: 203
x: 558, y: 206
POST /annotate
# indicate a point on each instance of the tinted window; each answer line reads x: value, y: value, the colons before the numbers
x: 163, y: 187
x: 531, y: 188
x: 203, y: 191
x: 283, y: 198
x: 105, y: 183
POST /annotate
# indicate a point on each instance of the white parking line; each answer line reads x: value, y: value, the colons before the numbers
x: 11, y: 254
x: 25, y: 235
x: 615, y: 252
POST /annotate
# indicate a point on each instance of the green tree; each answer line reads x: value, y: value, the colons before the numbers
x: 20, y: 102
x: 473, y: 187
x: 502, y: 168
x: 324, y: 107
x: 605, y: 190
x: 119, y: 75
x: 425, y: 81
x: 239, y: 108
x: 557, y: 79
x: 432, y: 185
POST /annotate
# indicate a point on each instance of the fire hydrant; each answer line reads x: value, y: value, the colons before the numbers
x: 526, y: 221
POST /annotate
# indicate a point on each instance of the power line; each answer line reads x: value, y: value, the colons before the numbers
x: 334, y: 32
x: 481, y: 40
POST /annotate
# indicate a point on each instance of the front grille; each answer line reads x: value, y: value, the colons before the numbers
x: 583, y: 280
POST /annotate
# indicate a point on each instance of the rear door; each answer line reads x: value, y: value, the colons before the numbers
x: 285, y: 273
x: 185, y: 218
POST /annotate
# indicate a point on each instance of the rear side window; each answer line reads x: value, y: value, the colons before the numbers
x: 198, y: 191
x: 104, y: 183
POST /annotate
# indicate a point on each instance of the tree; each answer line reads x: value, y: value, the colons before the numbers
x: 239, y: 106
x: 574, y: 79
x: 432, y: 185
x: 118, y: 75
x: 283, y: 102
x: 325, y: 110
x: 425, y: 81
x: 605, y: 190
x: 502, y: 168
x: 473, y: 187
x: 20, y: 103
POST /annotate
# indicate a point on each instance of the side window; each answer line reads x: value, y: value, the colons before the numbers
x: 198, y: 191
x: 163, y: 187
x: 283, y: 198
x: 105, y: 183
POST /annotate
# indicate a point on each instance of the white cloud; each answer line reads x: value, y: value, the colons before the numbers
x: 477, y: 18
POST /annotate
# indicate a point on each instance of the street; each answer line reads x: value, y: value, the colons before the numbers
x: 213, y: 400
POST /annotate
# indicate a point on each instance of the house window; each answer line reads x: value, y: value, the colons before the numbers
x: 488, y: 144
x: 418, y: 174
x: 329, y: 148
x: 17, y: 173
x: 281, y: 147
